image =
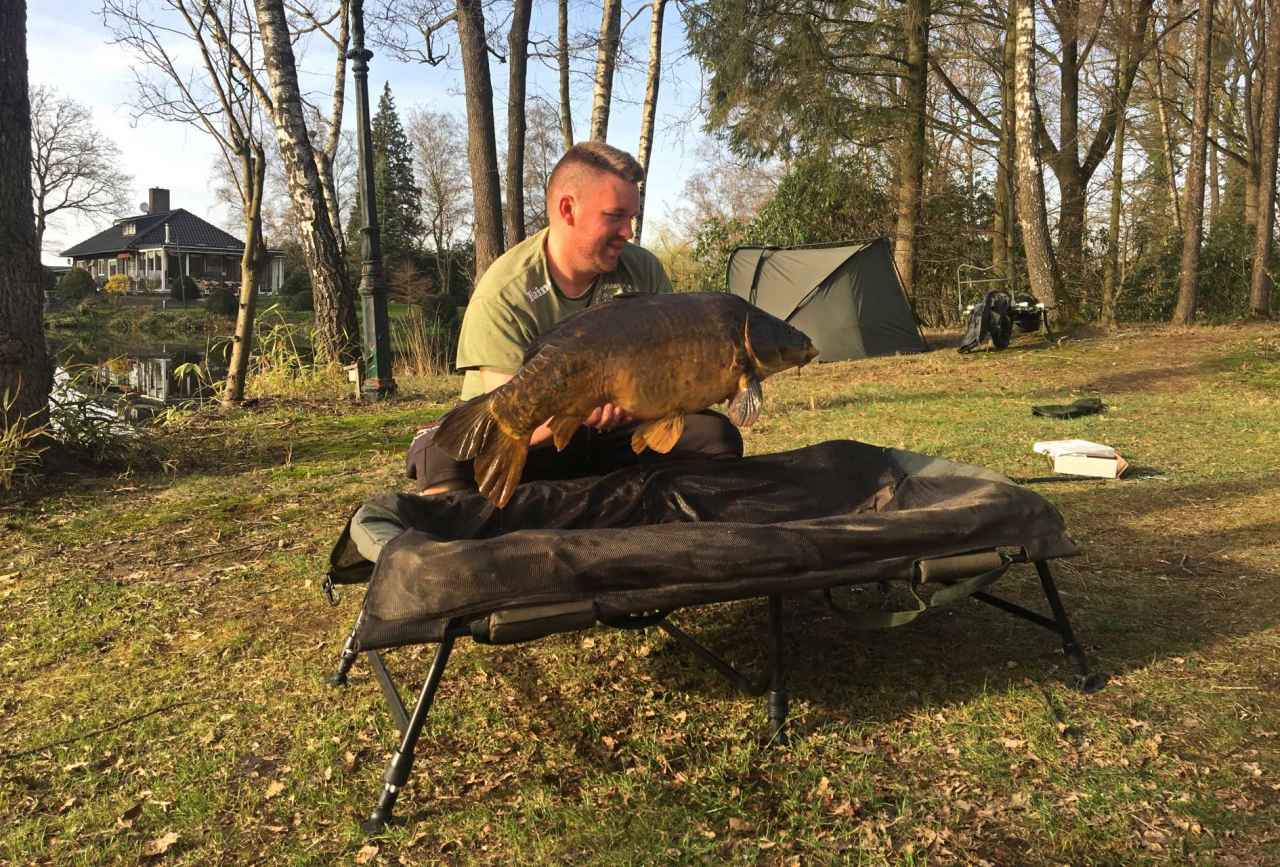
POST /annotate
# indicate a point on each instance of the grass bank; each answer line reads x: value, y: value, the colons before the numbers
x: 166, y: 643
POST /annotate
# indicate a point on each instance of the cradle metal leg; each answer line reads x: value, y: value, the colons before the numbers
x: 402, y: 762
x: 1089, y: 681
x: 347, y: 658
x: 777, y: 683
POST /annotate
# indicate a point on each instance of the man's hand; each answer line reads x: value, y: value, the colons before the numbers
x: 607, y: 417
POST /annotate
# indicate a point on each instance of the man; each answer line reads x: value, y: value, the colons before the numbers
x: 583, y: 257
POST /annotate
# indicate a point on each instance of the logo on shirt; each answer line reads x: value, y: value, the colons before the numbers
x: 535, y: 292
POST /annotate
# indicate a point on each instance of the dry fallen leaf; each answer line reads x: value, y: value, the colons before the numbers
x: 367, y: 854
x: 127, y: 817
x: 160, y: 845
x: 274, y: 789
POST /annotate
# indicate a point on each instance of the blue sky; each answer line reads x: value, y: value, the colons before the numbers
x: 69, y: 49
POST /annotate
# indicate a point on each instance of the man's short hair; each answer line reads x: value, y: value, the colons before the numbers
x: 595, y: 156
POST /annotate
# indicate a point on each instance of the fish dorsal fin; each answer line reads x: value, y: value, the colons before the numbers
x: 744, y: 409
x: 562, y: 430
x: 660, y: 435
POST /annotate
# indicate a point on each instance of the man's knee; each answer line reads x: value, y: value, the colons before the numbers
x: 710, y: 434
x: 432, y: 468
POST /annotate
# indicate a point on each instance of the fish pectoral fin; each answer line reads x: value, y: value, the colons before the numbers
x: 744, y: 409
x: 562, y: 430
x: 660, y: 435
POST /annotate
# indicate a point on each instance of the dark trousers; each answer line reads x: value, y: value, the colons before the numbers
x: 590, y: 452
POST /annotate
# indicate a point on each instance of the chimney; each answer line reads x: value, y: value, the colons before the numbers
x: 157, y: 200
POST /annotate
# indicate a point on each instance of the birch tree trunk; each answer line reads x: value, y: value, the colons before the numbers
x: 26, y: 374
x: 1042, y: 269
x: 1167, y: 145
x: 1193, y: 208
x: 253, y: 166
x: 335, y: 311
x: 915, y: 26
x: 1260, y: 284
x: 566, y: 107
x: 1002, y: 217
x: 518, y: 65
x: 1111, y: 266
x: 606, y: 59
x: 326, y: 156
x: 649, y: 112
x: 482, y: 148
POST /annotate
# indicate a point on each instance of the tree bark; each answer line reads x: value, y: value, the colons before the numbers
x: 606, y: 59
x: 482, y: 148
x: 1193, y: 208
x: 518, y: 65
x: 1003, y: 218
x: 1111, y: 266
x: 1260, y: 284
x: 253, y: 166
x: 566, y: 106
x: 26, y: 375
x: 335, y: 312
x: 915, y: 27
x: 1167, y: 145
x: 649, y: 112
x: 1042, y: 269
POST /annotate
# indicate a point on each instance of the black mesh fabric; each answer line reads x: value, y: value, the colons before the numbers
x: 691, y: 532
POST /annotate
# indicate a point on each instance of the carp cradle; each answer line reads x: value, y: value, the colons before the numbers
x: 568, y: 555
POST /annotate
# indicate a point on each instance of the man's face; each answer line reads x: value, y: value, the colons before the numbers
x: 600, y: 221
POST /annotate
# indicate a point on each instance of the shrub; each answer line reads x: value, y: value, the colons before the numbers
x: 221, y: 301
x: 118, y: 284
x: 301, y: 301
x: 183, y: 288
x: 295, y: 282
x: 76, y: 284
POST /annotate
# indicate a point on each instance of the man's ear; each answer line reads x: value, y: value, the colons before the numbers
x: 565, y: 208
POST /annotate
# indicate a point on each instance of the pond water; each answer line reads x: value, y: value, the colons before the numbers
x: 137, y: 379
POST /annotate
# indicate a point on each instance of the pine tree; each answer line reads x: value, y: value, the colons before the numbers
x: 397, y: 195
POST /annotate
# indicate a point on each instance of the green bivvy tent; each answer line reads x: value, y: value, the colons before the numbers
x: 846, y: 296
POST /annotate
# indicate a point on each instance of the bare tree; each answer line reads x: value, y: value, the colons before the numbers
x: 915, y: 27
x: 437, y: 140
x: 517, y: 69
x: 212, y: 96
x: 606, y: 60
x: 1042, y: 268
x: 482, y: 148
x: 73, y: 166
x: 25, y: 372
x: 542, y: 150
x: 562, y: 62
x: 338, y: 337
x: 1184, y: 312
x: 652, y: 80
x: 1260, y: 283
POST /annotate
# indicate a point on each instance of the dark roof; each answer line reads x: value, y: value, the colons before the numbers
x: 185, y: 230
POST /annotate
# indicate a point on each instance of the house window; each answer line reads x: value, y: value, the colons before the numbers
x: 196, y: 264
x: 130, y: 228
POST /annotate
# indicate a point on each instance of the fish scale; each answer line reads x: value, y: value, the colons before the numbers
x: 658, y: 357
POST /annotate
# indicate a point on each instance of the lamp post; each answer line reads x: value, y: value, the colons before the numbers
x: 375, y: 327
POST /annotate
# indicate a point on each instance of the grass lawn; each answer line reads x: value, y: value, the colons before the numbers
x: 165, y: 648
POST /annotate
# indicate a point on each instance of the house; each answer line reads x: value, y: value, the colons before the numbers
x: 164, y: 244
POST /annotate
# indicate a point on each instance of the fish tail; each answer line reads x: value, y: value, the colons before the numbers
x: 467, y: 428
x: 499, y: 467
x: 471, y: 431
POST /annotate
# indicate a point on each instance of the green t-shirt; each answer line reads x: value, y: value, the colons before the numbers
x: 516, y: 301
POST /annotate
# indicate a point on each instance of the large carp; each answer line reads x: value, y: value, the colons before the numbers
x: 658, y: 357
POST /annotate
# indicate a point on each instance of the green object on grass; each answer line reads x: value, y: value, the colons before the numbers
x: 1083, y: 406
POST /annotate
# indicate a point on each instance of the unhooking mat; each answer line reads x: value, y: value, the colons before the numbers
x: 680, y: 533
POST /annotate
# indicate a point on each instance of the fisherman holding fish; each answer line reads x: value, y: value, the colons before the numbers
x: 583, y: 258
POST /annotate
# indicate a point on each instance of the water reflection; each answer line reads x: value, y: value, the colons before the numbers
x: 136, y: 382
